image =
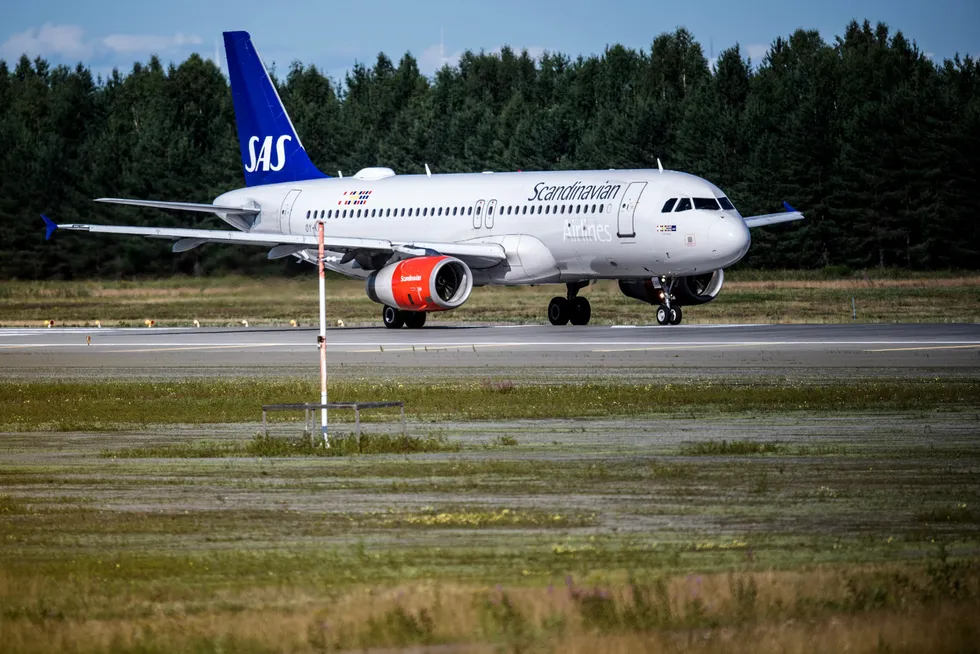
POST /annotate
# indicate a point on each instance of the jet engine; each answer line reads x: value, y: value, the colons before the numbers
x: 687, y: 291
x: 433, y: 283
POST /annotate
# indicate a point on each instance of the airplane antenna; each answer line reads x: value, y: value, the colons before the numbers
x: 428, y: 173
x: 340, y: 174
x: 660, y: 166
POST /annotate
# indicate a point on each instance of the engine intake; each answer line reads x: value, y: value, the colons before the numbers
x: 435, y: 283
x: 687, y: 291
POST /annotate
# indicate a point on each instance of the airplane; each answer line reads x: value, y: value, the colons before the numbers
x: 422, y: 242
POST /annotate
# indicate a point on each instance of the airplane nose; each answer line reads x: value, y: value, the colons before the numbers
x: 729, y: 238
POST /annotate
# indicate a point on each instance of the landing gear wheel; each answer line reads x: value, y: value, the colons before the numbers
x: 414, y: 319
x: 675, y: 315
x: 581, y: 311
x: 559, y: 310
x: 392, y: 317
x: 663, y: 315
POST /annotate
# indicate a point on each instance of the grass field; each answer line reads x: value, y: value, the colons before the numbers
x: 732, y: 518
x: 750, y: 296
x: 112, y: 405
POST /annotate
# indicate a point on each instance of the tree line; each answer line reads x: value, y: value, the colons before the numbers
x: 875, y: 142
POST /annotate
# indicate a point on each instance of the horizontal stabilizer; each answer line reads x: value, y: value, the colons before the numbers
x: 49, y: 227
x: 184, y: 206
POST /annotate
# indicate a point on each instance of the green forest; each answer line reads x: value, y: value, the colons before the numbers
x: 876, y: 143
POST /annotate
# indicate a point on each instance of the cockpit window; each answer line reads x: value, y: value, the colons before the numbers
x: 706, y: 204
x: 668, y: 205
x: 726, y: 204
x: 684, y: 204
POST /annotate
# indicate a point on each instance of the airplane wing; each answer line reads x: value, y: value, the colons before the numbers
x: 774, y: 218
x: 286, y: 244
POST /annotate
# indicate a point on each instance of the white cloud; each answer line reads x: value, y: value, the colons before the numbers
x: 434, y: 57
x: 48, y: 40
x: 70, y: 43
x: 756, y: 52
x: 148, y: 43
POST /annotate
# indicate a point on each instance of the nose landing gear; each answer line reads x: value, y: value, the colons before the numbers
x: 669, y: 315
x: 571, y: 308
x: 666, y: 313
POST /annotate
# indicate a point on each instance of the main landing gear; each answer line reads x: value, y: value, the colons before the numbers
x: 396, y: 318
x: 571, y: 308
x: 667, y: 314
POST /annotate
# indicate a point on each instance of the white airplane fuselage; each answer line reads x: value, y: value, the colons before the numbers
x: 553, y: 226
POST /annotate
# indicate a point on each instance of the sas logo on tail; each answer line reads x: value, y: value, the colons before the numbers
x: 264, y: 159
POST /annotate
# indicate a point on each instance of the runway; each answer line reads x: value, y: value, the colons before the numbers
x: 538, y: 351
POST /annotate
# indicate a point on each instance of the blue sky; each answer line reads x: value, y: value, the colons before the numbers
x: 334, y: 35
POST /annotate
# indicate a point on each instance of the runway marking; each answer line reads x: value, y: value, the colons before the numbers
x: 899, y: 345
x: 682, y: 347
x: 423, y: 348
x: 930, y: 347
x: 194, y: 347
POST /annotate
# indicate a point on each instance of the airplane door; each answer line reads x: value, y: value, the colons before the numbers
x: 287, y: 209
x: 488, y: 219
x: 478, y: 214
x: 627, y: 208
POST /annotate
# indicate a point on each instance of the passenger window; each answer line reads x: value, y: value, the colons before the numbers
x: 669, y: 205
x: 432, y: 211
x: 726, y: 204
x: 307, y: 215
x: 469, y: 211
x: 478, y: 208
x: 425, y: 211
x: 684, y: 204
x: 706, y: 204
x: 578, y: 208
x: 388, y: 213
x: 440, y: 211
x: 600, y: 208
x: 490, y: 210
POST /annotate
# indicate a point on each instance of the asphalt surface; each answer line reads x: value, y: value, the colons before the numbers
x: 683, y: 351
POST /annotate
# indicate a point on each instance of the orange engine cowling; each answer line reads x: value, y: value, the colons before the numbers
x: 434, y: 283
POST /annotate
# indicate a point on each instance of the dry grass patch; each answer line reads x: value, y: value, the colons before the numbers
x: 892, y: 607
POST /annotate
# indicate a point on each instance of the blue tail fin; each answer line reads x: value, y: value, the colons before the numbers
x: 271, y: 151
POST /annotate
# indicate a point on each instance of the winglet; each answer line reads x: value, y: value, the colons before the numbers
x: 788, y: 207
x: 49, y: 227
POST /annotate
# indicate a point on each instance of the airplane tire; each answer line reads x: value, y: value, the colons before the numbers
x: 676, y: 315
x: 559, y: 311
x: 392, y: 317
x: 663, y: 315
x: 581, y: 311
x: 414, y: 319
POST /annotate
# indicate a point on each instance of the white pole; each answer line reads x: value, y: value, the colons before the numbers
x: 323, y: 339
